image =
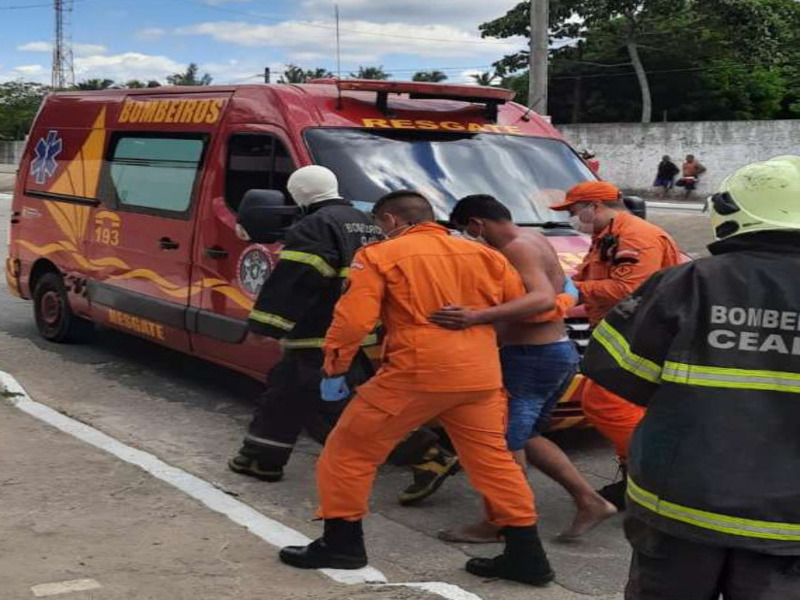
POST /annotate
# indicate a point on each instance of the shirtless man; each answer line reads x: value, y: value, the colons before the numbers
x: 538, y: 358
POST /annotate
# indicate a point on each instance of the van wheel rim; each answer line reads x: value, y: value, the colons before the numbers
x: 52, y: 308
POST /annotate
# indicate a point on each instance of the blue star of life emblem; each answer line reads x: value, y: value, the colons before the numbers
x: 44, y: 165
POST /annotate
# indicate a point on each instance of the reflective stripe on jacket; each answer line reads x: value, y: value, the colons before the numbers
x: 296, y: 302
x: 712, y: 348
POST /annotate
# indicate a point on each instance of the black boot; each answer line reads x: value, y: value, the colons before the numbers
x: 340, y: 547
x: 523, y: 559
x: 616, y: 492
x: 253, y: 467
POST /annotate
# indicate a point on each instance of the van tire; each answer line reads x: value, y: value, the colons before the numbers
x: 54, y: 317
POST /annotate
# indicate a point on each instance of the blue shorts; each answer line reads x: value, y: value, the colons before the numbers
x: 664, y: 182
x: 535, y: 377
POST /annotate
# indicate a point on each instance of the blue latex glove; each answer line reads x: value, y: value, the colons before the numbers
x: 571, y: 289
x: 334, y: 389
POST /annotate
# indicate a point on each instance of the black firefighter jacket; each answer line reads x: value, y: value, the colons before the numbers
x: 297, y: 300
x: 712, y: 349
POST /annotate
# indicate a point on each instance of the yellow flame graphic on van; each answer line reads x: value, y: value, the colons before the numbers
x: 81, y: 179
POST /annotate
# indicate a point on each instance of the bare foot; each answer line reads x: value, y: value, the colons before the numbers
x: 588, y: 517
x: 478, y: 533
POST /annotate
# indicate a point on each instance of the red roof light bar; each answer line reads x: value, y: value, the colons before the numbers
x: 491, y: 97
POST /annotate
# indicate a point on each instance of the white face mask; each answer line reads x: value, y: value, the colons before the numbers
x: 579, y: 224
x: 474, y: 238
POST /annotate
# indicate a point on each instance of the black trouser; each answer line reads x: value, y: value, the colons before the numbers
x: 669, y: 568
x: 291, y: 402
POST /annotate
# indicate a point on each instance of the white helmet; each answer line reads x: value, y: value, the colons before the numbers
x: 761, y: 196
x: 312, y: 184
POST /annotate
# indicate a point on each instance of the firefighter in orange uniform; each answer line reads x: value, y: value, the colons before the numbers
x: 427, y: 372
x: 625, y: 252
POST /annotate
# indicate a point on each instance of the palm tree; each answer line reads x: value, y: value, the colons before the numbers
x: 318, y: 73
x: 189, y: 77
x: 293, y: 74
x: 95, y: 84
x: 485, y: 78
x: 431, y: 76
x: 371, y: 73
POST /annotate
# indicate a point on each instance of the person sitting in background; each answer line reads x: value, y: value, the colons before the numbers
x: 665, y: 176
x: 692, y: 169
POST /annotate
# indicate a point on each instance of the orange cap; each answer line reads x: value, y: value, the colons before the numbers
x: 589, y: 191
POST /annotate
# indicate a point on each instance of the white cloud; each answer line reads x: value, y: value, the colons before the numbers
x: 81, y: 50
x: 126, y: 66
x: 77, y: 49
x: 29, y: 70
x: 36, y: 47
x: 466, y: 14
x: 362, y: 41
x: 151, y: 33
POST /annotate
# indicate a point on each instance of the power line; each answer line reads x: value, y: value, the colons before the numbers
x: 627, y: 73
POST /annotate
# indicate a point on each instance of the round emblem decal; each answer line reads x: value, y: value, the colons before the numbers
x: 255, y: 265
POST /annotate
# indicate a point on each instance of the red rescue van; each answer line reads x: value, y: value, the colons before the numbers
x: 125, y: 205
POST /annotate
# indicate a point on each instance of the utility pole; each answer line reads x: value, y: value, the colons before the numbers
x: 537, y: 90
x: 266, y: 74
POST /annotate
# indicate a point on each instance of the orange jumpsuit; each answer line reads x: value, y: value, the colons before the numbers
x: 427, y: 371
x: 606, y: 276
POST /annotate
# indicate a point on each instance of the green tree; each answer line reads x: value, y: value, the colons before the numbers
x: 371, y: 73
x: 318, y: 73
x: 295, y: 74
x: 95, y: 84
x: 709, y: 59
x: 624, y: 23
x: 190, y: 76
x: 486, y: 78
x: 429, y: 76
x: 19, y: 101
x: 138, y: 84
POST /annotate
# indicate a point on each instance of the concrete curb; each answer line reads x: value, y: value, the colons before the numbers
x: 680, y: 206
x: 269, y: 530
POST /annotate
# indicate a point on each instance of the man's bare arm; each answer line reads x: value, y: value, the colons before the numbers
x: 528, y: 261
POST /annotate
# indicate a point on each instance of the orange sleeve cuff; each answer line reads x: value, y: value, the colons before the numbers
x: 564, y: 302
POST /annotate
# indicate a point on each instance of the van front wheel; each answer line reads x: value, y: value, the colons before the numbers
x: 54, y: 317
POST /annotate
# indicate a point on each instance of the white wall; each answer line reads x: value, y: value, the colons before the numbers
x: 630, y: 152
x: 11, y: 152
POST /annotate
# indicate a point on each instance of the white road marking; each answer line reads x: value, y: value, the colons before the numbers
x: 271, y: 531
x: 64, y: 587
x: 445, y: 590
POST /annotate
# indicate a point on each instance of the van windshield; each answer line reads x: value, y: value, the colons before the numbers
x: 525, y: 173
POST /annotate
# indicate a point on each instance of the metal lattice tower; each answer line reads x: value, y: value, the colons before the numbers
x: 63, y: 75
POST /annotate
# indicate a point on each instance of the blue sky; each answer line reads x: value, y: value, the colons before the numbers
x: 234, y: 40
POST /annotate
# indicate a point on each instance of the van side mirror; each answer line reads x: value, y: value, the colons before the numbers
x: 636, y: 206
x: 265, y: 215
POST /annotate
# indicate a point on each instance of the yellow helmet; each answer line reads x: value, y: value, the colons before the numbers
x: 761, y: 196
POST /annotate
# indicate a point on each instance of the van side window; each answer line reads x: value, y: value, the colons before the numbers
x: 155, y: 173
x: 255, y: 161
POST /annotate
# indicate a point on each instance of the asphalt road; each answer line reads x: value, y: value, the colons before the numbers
x: 192, y: 414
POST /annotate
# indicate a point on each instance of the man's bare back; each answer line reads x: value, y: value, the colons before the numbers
x: 534, y: 258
